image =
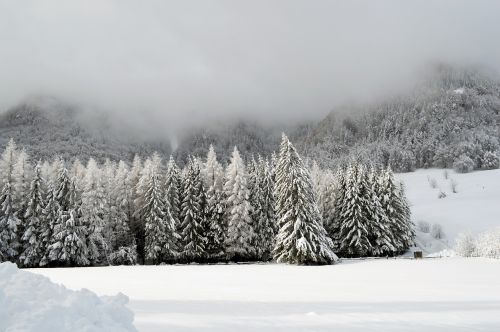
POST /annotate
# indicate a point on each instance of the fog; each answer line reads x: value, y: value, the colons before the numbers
x: 168, y: 64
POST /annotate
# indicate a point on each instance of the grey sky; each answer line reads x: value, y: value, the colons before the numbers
x: 179, y: 62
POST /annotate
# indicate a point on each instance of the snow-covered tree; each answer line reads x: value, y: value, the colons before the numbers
x: 68, y: 245
x: 193, y: 224
x: 9, y: 221
x: 301, y: 238
x: 32, y: 237
x: 173, y: 189
x: 240, y: 233
x: 21, y: 175
x: 465, y: 245
x: 356, y: 216
x: 213, y: 174
x: 93, y: 203
x: 160, y: 229
x: 264, y: 219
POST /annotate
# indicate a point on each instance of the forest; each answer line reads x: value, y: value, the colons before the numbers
x: 274, y: 208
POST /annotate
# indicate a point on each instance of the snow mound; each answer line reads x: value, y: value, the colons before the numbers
x: 31, y: 302
x: 459, y: 91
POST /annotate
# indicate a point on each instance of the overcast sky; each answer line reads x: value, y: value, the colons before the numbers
x: 179, y: 62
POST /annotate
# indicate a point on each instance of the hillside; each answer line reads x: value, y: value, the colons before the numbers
x: 46, y: 127
x: 449, y: 120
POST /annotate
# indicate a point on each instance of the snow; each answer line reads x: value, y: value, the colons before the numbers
x: 30, y: 302
x: 459, y: 294
x: 474, y: 208
x: 459, y: 91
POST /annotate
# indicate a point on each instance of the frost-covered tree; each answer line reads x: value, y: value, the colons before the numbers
x: 173, y: 192
x: 48, y: 222
x: 264, y: 219
x: 68, y: 245
x: 124, y: 251
x: 397, y: 211
x: 465, y: 245
x: 213, y: 175
x: 380, y: 227
x: 356, y: 216
x: 9, y: 221
x: 21, y: 175
x: 240, y: 233
x: 133, y: 213
x: 301, y: 238
x: 193, y: 224
x: 32, y: 237
x: 92, y: 208
x: 160, y: 229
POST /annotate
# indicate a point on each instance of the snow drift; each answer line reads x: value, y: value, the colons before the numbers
x: 31, y: 302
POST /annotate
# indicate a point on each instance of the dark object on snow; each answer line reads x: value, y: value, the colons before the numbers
x: 417, y: 255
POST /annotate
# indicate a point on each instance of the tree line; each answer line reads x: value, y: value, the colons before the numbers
x: 151, y: 212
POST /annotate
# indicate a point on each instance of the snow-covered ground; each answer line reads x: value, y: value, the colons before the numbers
x: 448, y: 294
x: 31, y: 303
x: 474, y: 208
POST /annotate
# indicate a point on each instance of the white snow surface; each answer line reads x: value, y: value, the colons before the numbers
x: 475, y: 208
x: 31, y: 302
x: 435, y: 294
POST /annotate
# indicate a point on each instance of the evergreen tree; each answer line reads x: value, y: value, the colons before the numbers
x: 333, y: 215
x: 396, y: 209
x: 68, y: 244
x: 301, y: 238
x: 92, y: 208
x: 263, y: 211
x: 240, y: 234
x: 134, y: 213
x: 160, y: 229
x: 380, y: 228
x: 355, y: 223
x: 49, y: 219
x: 216, y: 232
x: 173, y: 193
x: 9, y: 222
x: 193, y: 214
x: 32, y: 237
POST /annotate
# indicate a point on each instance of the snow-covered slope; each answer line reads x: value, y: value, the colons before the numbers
x: 30, y: 302
x: 474, y: 208
x: 449, y: 294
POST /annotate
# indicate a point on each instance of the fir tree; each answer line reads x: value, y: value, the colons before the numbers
x: 9, y: 222
x: 193, y: 214
x: 301, y: 238
x: 92, y: 208
x: 263, y: 211
x: 240, y: 235
x: 48, y: 223
x: 216, y: 232
x: 173, y: 193
x: 159, y: 226
x: 32, y: 237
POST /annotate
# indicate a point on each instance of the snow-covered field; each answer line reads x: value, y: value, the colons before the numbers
x: 441, y: 294
x: 474, y: 208
x: 448, y: 294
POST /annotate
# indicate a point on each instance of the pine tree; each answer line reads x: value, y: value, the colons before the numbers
x: 124, y: 251
x: 9, y: 222
x: 216, y: 232
x: 356, y: 216
x: 134, y: 213
x: 380, y: 230
x: 332, y: 219
x: 92, y: 208
x: 301, y: 237
x: 160, y: 231
x: 240, y: 235
x: 193, y: 214
x: 263, y: 211
x: 48, y: 223
x: 173, y: 193
x: 68, y: 245
x: 32, y: 237
x: 396, y: 209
